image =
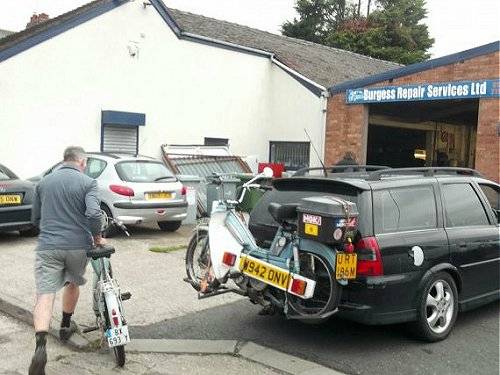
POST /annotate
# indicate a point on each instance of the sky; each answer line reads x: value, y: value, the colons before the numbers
x: 455, y: 25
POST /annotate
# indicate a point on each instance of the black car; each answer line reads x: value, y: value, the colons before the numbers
x: 16, y: 198
x: 427, y: 247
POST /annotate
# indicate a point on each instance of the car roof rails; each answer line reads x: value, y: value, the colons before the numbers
x: 108, y: 154
x: 344, y: 169
x: 426, y: 171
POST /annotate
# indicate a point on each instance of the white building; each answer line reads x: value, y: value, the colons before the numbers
x: 132, y: 75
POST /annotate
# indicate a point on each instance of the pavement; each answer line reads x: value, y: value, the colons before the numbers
x: 158, y: 295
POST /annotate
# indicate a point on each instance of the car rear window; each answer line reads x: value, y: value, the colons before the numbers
x: 262, y: 224
x: 6, y: 174
x: 143, y: 171
x: 403, y: 209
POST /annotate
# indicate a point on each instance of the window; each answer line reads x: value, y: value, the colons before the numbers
x: 6, y: 173
x: 402, y: 209
x: 294, y: 155
x: 491, y: 193
x: 216, y: 141
x: 118, y: 138
x: 143, y: 171
x: 94, y: 167
x: 462, y: 206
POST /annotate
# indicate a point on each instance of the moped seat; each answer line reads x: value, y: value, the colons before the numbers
x: 283, y: 212
x: 100, y: 252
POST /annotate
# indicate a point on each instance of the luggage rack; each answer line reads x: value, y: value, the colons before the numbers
x: 426, y: 171
x: 347, y: 169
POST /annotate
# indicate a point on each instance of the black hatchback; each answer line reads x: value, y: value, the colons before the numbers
x: 16, y: 199
x: 427, y: 247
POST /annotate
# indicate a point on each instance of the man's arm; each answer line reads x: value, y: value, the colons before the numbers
x: 36, y: 208
x: 93, y: 210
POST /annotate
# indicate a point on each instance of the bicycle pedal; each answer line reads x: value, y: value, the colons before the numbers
x: 125, y: 296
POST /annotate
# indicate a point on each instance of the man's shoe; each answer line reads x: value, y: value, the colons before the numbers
x: 66, y: 332
x: 38, y: 361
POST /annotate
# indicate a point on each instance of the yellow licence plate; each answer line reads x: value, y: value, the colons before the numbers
x: 265, y: 272
x: 158, y: 195
x: 10, y: 199
x: 311, y: 229
x: 346, y: 264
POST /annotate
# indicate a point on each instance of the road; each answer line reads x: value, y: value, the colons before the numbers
x: 472, y: 347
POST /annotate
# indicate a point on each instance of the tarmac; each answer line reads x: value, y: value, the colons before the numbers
x: 158, y: 293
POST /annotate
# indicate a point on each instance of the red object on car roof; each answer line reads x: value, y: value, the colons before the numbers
x: 278, y: 168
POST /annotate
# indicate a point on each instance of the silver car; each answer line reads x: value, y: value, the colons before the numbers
x: 136, y: 190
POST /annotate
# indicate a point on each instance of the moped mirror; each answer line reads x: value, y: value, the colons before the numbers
x: 268, y: 172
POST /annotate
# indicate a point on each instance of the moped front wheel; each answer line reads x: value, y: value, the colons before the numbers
x: 326, y: 295
x: 197, y: 258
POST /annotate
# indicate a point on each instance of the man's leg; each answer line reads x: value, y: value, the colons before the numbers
x: 70, y: 299
x: 42, y: 314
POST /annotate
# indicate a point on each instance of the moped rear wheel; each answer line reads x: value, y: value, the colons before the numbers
x: 197, y: 258
x: 326, y: 295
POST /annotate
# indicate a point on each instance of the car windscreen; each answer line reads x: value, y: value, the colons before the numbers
x: 6, y: 174
x: 144, y: 171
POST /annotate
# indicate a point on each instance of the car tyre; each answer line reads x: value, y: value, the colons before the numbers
x: 110, y: 230
x: 437, y: 308
x: 31, y: 232
x: 169, y: 226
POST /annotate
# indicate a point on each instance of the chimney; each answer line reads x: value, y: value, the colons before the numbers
x: 37, y: 19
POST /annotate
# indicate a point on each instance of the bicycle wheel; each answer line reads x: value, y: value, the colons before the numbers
x: 118, y: 351
x: 197, y: 258
x: 326, y: 294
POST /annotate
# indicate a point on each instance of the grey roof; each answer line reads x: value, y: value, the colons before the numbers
x: 324, y: 65
x: 4, y: 33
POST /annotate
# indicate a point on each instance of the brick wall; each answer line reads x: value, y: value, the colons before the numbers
x: 347, y: 125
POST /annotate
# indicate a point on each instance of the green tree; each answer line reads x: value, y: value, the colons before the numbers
x: 393, y: 31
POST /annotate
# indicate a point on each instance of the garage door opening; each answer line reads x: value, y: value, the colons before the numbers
x: 425, y: 133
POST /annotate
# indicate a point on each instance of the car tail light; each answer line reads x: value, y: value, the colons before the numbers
x: 122, y: 190
x: 298, y: 287
x: 229, y: 259
x: 369, y: 257
x: 184, y: 190
x: 116, y: 321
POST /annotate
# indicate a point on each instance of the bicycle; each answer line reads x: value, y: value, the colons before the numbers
x: 107, y: 301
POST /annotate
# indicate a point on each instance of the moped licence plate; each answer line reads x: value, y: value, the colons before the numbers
x: 117, y: 336
x: 265, y: 272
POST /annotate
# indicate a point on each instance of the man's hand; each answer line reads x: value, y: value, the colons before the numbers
x: 99, y: 240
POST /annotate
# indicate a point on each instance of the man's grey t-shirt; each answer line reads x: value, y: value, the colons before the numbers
x: 67, y: 210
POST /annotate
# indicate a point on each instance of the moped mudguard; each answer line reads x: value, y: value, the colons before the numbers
x: 221, y: 240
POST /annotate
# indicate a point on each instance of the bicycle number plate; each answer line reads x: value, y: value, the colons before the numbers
x: 346, y: 264
x: 117, y: 336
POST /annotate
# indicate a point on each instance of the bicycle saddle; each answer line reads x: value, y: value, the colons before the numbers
x: 100, y: 252
x: 283, y: 212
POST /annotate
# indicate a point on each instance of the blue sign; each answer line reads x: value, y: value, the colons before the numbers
x: 429, y: 91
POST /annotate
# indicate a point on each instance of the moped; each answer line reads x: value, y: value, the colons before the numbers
x: 301, y: 274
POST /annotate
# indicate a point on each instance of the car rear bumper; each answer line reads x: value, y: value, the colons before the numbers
x: 140, y: 214
x: 141, y: 206
x: 380, y: 300
x: 15, y: 218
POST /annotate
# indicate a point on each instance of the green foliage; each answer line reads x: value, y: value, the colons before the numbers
x: 393, y: 31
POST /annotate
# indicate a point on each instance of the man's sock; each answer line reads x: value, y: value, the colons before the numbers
x: 41, y: 338
x: 66, y: 319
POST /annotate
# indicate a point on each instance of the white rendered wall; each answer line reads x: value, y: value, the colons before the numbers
x: 52, y: 94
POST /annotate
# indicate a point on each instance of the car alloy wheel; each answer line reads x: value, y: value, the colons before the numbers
x: 439, y: 306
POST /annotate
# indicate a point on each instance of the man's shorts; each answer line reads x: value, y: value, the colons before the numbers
x: 55, y: 268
